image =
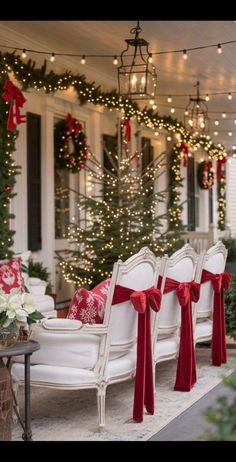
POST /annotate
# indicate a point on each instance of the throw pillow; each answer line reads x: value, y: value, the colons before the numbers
x: 89, y: 306
x: 11, y: 275
x: 24, y: 266
x: 25, y: 256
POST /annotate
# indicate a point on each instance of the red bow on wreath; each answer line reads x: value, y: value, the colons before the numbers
x: 185, y: 150
x: 220, y: 163
x: 13, y: 94
x: 73, y: 125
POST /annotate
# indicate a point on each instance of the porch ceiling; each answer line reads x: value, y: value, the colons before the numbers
x: 216, y: 73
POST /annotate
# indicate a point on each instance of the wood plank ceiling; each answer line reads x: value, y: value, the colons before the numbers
x: 176, y: 76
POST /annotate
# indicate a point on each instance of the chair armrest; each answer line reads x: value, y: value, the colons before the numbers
x: 68, y: 325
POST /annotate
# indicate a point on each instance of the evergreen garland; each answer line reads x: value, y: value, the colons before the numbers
x: 8, y: 171
x: 37, y: 78
x: 74, y: 157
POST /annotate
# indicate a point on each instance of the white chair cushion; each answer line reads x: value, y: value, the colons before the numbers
x: 203, y: 330
x: 68, y: 376
x: 166, y: 348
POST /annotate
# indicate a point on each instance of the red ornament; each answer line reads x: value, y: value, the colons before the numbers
x: 7, y: 188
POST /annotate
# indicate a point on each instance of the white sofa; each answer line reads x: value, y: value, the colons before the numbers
x: 45, y: 303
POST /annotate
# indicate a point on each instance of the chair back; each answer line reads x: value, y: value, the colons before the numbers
x: 214, y: 261
x: 181, y: 266
x: 139, y: 272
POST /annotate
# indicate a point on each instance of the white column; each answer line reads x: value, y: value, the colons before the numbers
x: 47, y: 192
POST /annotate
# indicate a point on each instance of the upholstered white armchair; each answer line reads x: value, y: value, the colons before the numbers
x: 73, y: 355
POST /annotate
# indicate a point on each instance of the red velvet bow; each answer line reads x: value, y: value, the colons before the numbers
x: 144, y: 387
x: 127, y: 126
x: 73, y: 125
x: 220, y: 163
x: 13, y: 94
x: 186, y: 369
x: 220, y: 282
x: 185, y: 150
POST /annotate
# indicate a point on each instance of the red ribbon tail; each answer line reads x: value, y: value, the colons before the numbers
x: 10, y: 123
x: 149, y: 385
x: 219, y: 331
x: 186, y: 369
x: 140, y: 369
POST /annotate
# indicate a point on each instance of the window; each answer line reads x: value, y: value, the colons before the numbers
x: 193, y: 196
x: 62, y: 203
x: 34, y: 181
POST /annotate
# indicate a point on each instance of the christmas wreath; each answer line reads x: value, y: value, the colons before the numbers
x: 70, y: 146
x: 205, y: 175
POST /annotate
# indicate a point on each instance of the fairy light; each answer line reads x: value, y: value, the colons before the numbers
x: 229, y: 95
x: 24, y: 54
x: 219, y: 49
x: 52, y: 57
x: 115, y: 61
x: 83, y: 60
x: 185, y: 56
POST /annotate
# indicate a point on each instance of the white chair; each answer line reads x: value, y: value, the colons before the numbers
x: 183, y: 266
x: 214, y: 264
x: 76, y: 356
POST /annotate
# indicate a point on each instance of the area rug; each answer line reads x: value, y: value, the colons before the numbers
x: 58, y: 415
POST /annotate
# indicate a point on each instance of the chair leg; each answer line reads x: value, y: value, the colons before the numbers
x: 154, y: 378
x: 101, y: 398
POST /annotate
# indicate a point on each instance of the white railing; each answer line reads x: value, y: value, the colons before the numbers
x: 200, y: 240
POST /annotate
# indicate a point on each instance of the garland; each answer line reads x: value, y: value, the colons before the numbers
x: 205, y: 175
x: 31, y: 77
x: 70, y: 145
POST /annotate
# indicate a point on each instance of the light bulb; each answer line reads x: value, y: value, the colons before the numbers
x: 229, y: 95
x: 115, y: 61
x: 169, y: 99
x: 83, y: 60
x: 207, y: 98
x: 219, y: 49
x: 52, y: 57
x: 23, y: 54
x: 185, y: 56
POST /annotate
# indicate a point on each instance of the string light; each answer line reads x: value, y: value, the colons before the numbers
x: 115, y: 61
x: 150, y: 55
x: 24, y: 54
x: 83, y: 60
x: 52, y: 57
x: 169, y: 99
x: 229, y: 95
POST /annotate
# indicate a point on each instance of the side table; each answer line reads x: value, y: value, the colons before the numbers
x: 26, y: 349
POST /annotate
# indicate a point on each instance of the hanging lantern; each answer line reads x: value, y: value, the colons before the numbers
x: 137, y: 76
x: 196, y: 119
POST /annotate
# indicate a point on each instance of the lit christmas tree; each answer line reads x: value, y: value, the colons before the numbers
x: 118, y: 218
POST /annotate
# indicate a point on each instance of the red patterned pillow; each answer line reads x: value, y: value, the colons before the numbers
x: 11, y: 275
x: 88, y: 306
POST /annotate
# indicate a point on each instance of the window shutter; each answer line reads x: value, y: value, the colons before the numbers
x: 34, y: 181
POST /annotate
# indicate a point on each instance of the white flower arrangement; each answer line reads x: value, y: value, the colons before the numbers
x: 17, y: 307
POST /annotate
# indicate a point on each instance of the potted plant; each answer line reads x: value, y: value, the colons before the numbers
x: 37, y: 270
x: 17, y: 310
